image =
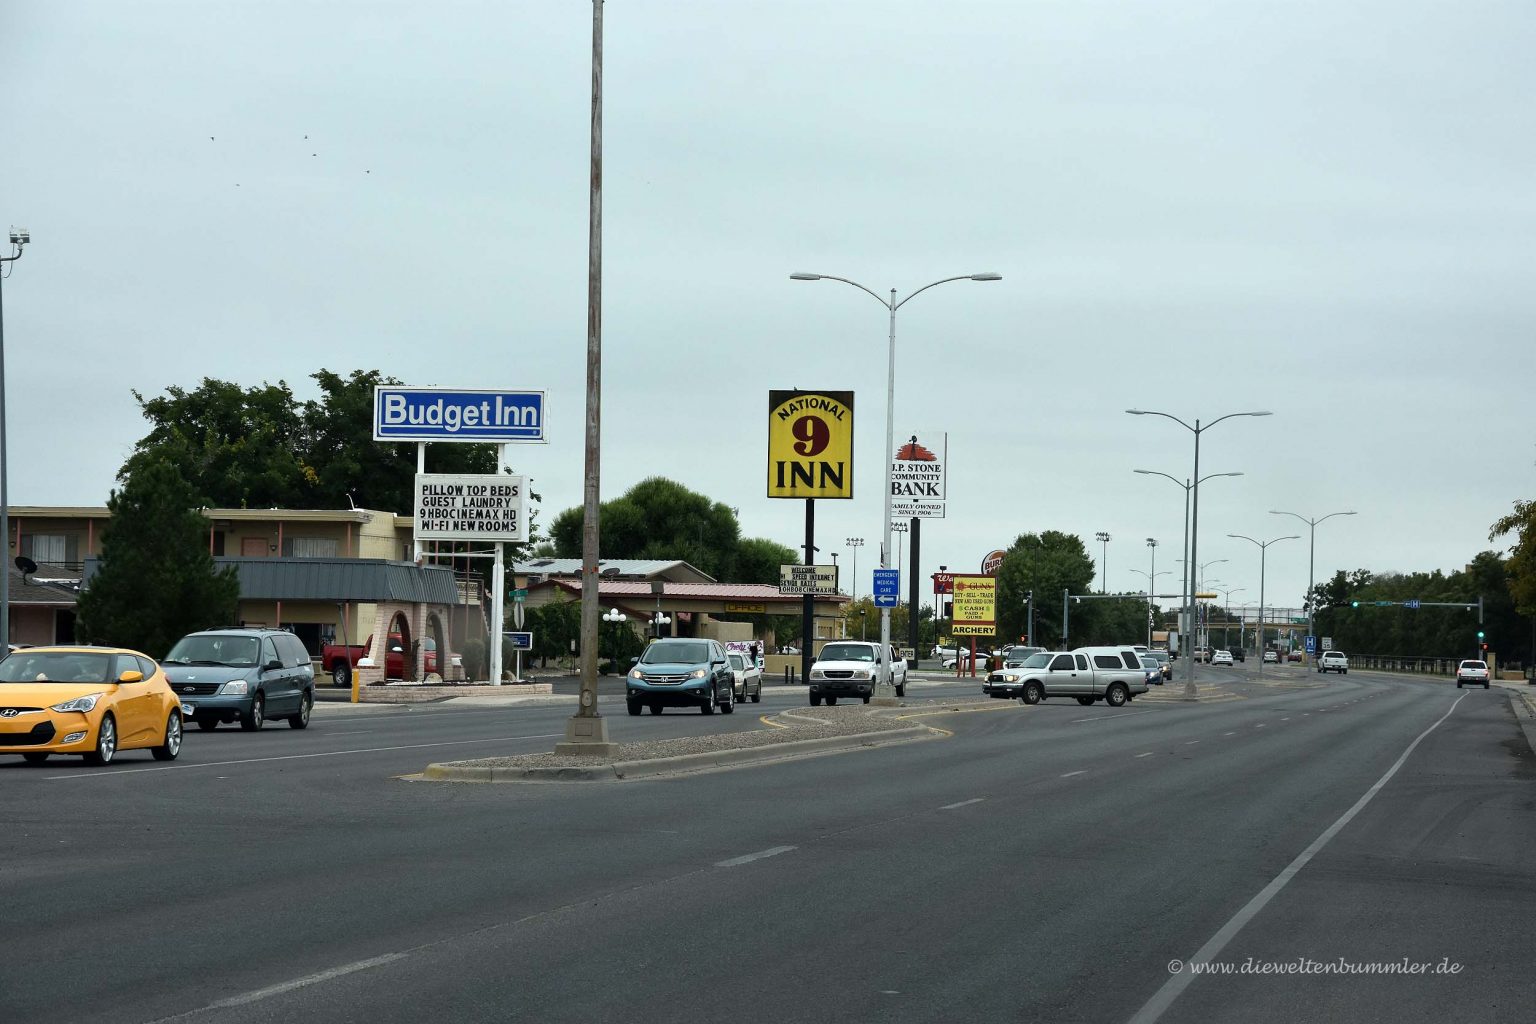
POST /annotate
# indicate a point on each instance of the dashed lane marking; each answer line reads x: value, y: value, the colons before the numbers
x: 736, y: 862
x: 963, y: 803
x: 1070, y: 774
x: 1147, y: 754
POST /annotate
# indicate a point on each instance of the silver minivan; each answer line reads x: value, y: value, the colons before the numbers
x: 244, y: 675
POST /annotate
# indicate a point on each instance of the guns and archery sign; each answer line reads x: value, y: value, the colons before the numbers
x: 975, y: 605
x: 810, y: 444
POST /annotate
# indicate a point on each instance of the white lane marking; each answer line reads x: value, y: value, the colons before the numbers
x: 1070, y: 774
x: 1285, y: 719
x: 1101, y: 718
x: 963, y: 803
x: 309, y: 979
x: 1176, y: 984
x: 300, y: 757
x: 1147, y: 754
x: 736, y: 862
x: 1190, y: 743
x: 1229, y: 734
x: 1259, y: 726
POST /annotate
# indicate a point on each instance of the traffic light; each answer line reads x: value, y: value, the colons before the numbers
x: 1479, y: 634
x: 1354, y: 604
x: 1485, y: 648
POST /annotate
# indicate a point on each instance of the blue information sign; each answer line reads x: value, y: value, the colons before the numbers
x: 521, y: 641
x: 887, y: 587
x: 464, y: 414
x: 1311, y: 645
x: 1411, y: 604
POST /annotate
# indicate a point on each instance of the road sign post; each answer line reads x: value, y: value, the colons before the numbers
x: 887, y: 587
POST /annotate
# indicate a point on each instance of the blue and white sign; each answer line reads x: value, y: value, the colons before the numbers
x: 403, y: 413
x: 1311, y: 645
x: 1414, y: 604
x: 886, y: 587
x: 521, y: 641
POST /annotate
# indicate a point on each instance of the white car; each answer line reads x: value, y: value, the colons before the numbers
x: 1470, y: 673
x: 1271, y: 657
x: 748, y: 678
x: 1221, y: 658
x: 1333, y: 661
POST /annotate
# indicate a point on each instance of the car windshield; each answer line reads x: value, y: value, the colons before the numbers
x: 1159, y: 656
x: 847, y: 652
x: 1147, y: 661
x: 1039, y: 659
x: 31, y: 666
x: 212, y: 649
x: 737, y: 661
x: 676, y: 653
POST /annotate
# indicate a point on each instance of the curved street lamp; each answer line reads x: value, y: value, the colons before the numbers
x: 1311, y: 554
x: 1263, y: 546
x: 883, y: 688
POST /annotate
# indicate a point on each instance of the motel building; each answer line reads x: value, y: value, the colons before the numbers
x: 328, y: 576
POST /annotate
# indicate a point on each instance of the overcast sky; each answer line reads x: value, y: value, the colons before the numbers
x: 1323, y: 209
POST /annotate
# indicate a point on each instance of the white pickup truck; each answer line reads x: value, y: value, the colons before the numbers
x: 1111, y: 674
x: 851, y: 668
x: 1333, y: 661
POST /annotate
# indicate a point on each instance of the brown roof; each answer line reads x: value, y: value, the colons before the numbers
x: 745, y: 592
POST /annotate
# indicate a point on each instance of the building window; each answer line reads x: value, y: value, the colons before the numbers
x: 309, y: 547
x: 50, y: 548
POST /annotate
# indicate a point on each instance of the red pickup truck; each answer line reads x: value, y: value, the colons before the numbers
x: 339, y: 660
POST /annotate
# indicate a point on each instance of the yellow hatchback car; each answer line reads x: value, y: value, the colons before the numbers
x: 90, y: 701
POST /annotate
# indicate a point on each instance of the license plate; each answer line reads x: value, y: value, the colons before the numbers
x: 188, y: 709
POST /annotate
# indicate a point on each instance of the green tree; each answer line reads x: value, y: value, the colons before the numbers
x: 1047, y: 563
x: 156, y: 580
x: 1522, y: 560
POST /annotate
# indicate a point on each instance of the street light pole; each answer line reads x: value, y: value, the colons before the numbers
x: 1263, y: 554
x: 19, y: 239
x: 1194, y: 520
x: 1227, y: 622
x: 1103, y: 539
x: 1187, y: 615
x: 884, y: 689
x: 1311, y: 557
x: 1151, y: 587
x: 855, y: 543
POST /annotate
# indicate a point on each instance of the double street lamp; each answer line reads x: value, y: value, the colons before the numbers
x: 1263, y: 546
x: 1311, y: 555
x: 1103, y: 538
x: 19, y: 239
x: 884, y: 688
x: 1194, y: 521
x: 854, y: 543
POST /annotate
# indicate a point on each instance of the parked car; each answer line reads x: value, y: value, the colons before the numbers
x: 681, y: 672
x: 1111, y: 674
x: 244, y: 675
x: 984, y: 658
x: 1007, y: 681
x: 1271, y: 657
x: 1470, y: 673
x: 88, y: 701
x: 1221, y: 658
x: 851, y: 668
x: 1333, y: 661
x: 338, y: 660
x: 746, y: 677
x: 1293, y: 656
x: 1238, y: 654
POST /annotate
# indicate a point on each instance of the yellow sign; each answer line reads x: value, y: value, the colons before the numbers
x: 810, y: 444
x: 975, y: 612
x: 748, y: 608
x: 1208, y: 597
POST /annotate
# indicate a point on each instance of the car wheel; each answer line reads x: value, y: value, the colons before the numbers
x: 1033, y: 694
x: 37, y: 757
x: 1485, y: 686
x: 634, y: 707
x: 729, y: 707
x: 655, y: 709
x: 866, y: 700
x: 168, y: 750
x: 901, y: 691
x: 757, y: 694
x: 708, y: 707
x: 341, y: 675
x: 1085, y: 701
x: 106, y: 742
x: 301, y: 720
x: 831, y: 701
x: 815, y: 700
x: 1116, y: 695
x: 1458, y: 684
x: 255, y: 718
x: 207, y: 724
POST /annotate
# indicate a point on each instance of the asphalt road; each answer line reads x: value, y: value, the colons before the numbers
x: 1047, y: 863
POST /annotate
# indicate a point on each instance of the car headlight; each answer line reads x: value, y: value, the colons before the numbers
x: 862, y: 675
x: 235, y: 688
x: 1010, y: 679
x: 698, y: 673
x: 635, y: 673
x: 815, y: 673
x: 82, y: 704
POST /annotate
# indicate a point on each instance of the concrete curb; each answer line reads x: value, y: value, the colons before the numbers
x: 1524, y: 707
x: 648, y: 768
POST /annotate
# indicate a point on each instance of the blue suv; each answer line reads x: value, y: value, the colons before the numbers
x: 682, y: 673
x: 244, y: 675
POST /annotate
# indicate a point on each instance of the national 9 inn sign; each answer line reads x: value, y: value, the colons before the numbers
x: 402, y: 413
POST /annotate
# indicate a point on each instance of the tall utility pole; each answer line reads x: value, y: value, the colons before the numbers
x: 1151, y: 585
x: 19, y: 238
x: 586, y: 732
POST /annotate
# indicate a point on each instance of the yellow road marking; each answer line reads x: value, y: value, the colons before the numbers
x: 959, y: 711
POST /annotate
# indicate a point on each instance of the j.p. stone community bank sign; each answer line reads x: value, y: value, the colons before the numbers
x: 402, y: 413
x: 478, y: 506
